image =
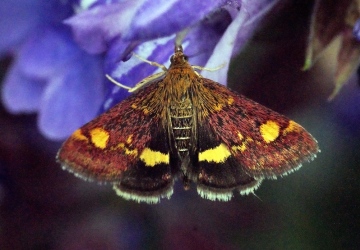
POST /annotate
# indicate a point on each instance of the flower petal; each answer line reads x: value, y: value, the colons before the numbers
x: 256, y: 8
x: 17, y: 19
x: 236, y: 35
x: 72, y: 98
x: 46, y: 51
x: 223, y: 51
x: 93, y: 29
x: 202, y: 38
x: 165, y: 17
x: 20, y: 93
x: 21, y: 17
x: 257, y: 11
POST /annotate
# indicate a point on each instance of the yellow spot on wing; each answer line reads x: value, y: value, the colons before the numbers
x: 270, y: 131
x: 77, y: 135
x: 219, y: 106
x: 243, y: 145
x: 240, y: 136
x: 127, y: 150
x: 152, y: 158
x: 218, y: 154
x: 292, y: 127
x: 129, y: 139
x: 146, y: 111
x: 99, y: 137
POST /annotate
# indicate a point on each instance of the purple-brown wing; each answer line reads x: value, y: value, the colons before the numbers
x: 126, y: 146
x: 263, y: 142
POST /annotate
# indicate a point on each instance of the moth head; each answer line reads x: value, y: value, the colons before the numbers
x: 179, y: 57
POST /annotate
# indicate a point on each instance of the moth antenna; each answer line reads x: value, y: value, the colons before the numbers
x: 140, y: 84
x: 163, y: 67
x: 145, y: 80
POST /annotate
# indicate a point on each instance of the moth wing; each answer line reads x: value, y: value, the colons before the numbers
x: 264, y: 142
x: 217, y: 172
x: 240, y: 142
x: 126, y: 146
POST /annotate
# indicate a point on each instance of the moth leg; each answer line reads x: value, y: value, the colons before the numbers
x: 117, y: 83
x: 196, y: 67
x: 208, y: 69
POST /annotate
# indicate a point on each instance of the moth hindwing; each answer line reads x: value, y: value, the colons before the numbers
x: 185, y: 126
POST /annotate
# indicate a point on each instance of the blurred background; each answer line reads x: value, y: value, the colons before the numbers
x: 317, y: 207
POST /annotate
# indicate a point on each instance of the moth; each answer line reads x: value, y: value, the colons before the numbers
x: 180, y: 125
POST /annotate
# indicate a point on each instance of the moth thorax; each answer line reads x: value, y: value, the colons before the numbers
x: 181, y: 114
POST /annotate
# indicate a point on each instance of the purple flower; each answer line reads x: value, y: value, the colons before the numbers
x: 218, y: 30
x: 52, y: 76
